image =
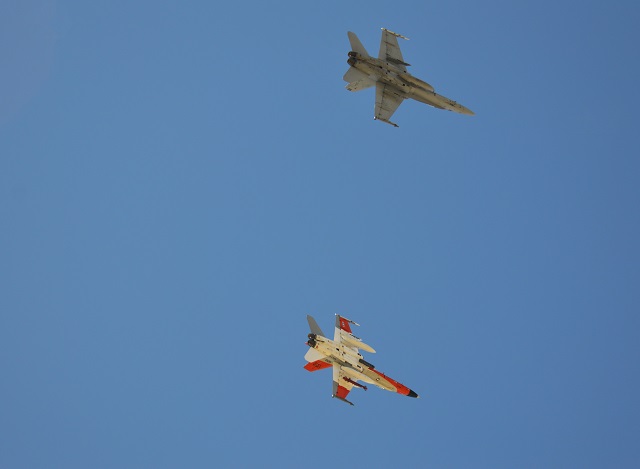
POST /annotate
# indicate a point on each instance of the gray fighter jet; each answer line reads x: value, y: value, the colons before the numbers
x: 388, y: 73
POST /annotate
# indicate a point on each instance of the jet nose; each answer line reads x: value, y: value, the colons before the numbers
x: 412, y: 394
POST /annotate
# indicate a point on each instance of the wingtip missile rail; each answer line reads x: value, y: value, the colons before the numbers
x: 349, y: 320
x: 395, y: 34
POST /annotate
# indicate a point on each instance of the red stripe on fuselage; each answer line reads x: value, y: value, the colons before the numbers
x: 400, y: 388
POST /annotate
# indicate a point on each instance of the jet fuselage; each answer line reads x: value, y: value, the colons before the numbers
x: 403, y: 82
x: 354, y: 366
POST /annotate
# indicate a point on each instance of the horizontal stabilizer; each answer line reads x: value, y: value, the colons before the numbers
x: 353, y: 74
x: 360, y: 85
x: 357, y: 80
x: 313, y: 355
x: 317, y: 365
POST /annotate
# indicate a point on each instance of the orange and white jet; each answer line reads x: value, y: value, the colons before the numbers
x: 349, y: 366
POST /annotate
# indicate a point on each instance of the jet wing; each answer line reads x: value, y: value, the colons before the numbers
x: 387, y: 101
x: 342, y: 324
x: 390, y: 50
x: 341, y: 385
x: 344, y: 336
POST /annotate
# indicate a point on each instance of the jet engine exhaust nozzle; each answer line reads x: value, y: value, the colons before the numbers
x: 312, y: 340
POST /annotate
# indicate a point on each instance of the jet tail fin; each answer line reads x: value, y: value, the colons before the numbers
x: 313, y: 325
x: 356, y: 45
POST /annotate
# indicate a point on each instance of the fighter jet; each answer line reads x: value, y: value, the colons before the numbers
x: 342, y: 354
x: 388, y: 73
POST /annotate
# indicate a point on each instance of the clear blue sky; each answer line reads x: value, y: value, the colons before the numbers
x: 182, y: 182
